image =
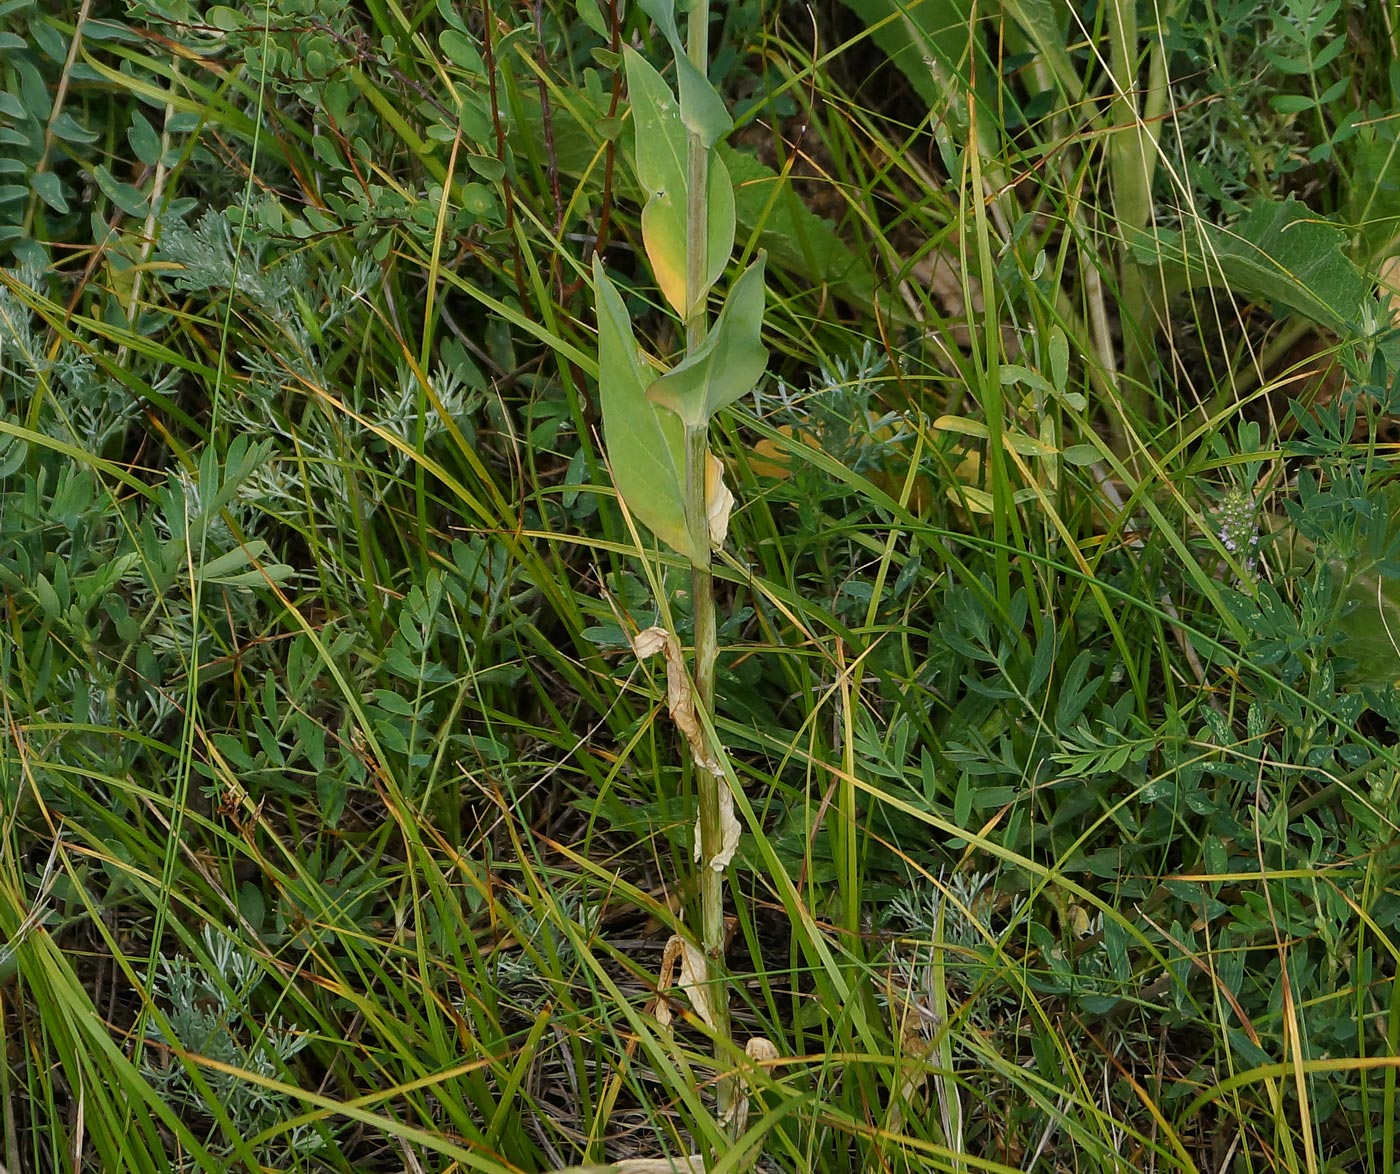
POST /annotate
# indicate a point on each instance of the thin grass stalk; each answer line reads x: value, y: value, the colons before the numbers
x: 697, y: 448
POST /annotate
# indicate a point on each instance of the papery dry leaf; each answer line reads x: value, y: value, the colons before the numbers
x: 680, y: 696
x: 719, y: 501
x: 675, y: 951
x: 687, y: 1164
x: 760, y: 1051
x: 649, y: 642
x: 729, y: 830
x: 695, y: 981
x: 690, y: 1164
x: 1389, y: 281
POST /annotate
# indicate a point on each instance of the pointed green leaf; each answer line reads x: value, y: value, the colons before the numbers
x: 592, y: 16
x: 645, y: 443
x: 663, y: 171
x: 703, y: 111
x: 49, y: 188
x: 727, y: 364
x: 130, y: 200
x: 663, y: 13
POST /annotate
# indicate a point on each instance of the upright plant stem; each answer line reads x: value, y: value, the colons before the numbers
x: 1132, y: 153
x: 697, y: 449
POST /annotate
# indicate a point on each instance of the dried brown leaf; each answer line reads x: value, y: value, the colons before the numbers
x: 719, y: 500
x: 680, y: 695
x: 729, y: 829
x: 695, y: 981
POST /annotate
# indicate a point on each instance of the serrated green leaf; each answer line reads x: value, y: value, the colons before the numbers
x: 645, y: 443
x: 663, y: 170
x: 728, y: 364
x: 49, y: 188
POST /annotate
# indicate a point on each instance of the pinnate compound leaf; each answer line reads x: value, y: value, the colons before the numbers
x: 645, y: 443
x: 727, y: 364
x: 663, y: 171
x: 1279, y: 252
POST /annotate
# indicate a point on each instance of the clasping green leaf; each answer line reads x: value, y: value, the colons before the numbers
x: 645, y: 443
x: 728, y: 364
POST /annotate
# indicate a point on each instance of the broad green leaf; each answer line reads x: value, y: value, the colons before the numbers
x: 663, y: 13
x: 645, y: 443
x: 797, y: 239
x: 663, y: 170
x: 49, y: 188
x: 592, y: 16
x: 143, y: 139
x: 1280, y: 252
x: 1058, y: 357
x: 1021, y: 442
x: 459, y: 47
x: 702, y: 109
x: 1082, y: 454
x: 727, y: 364
x: 70, y: 130
x: 224, y: 18
x: 243, y: 567
x: 130, y: 200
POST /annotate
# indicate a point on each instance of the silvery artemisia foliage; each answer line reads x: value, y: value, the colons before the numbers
x: 78, y: 403
x: 337, y: 431
x: 207, y: 1007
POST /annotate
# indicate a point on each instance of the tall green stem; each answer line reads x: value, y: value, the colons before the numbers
x: 697, y: 449
x: 1132, y: 153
